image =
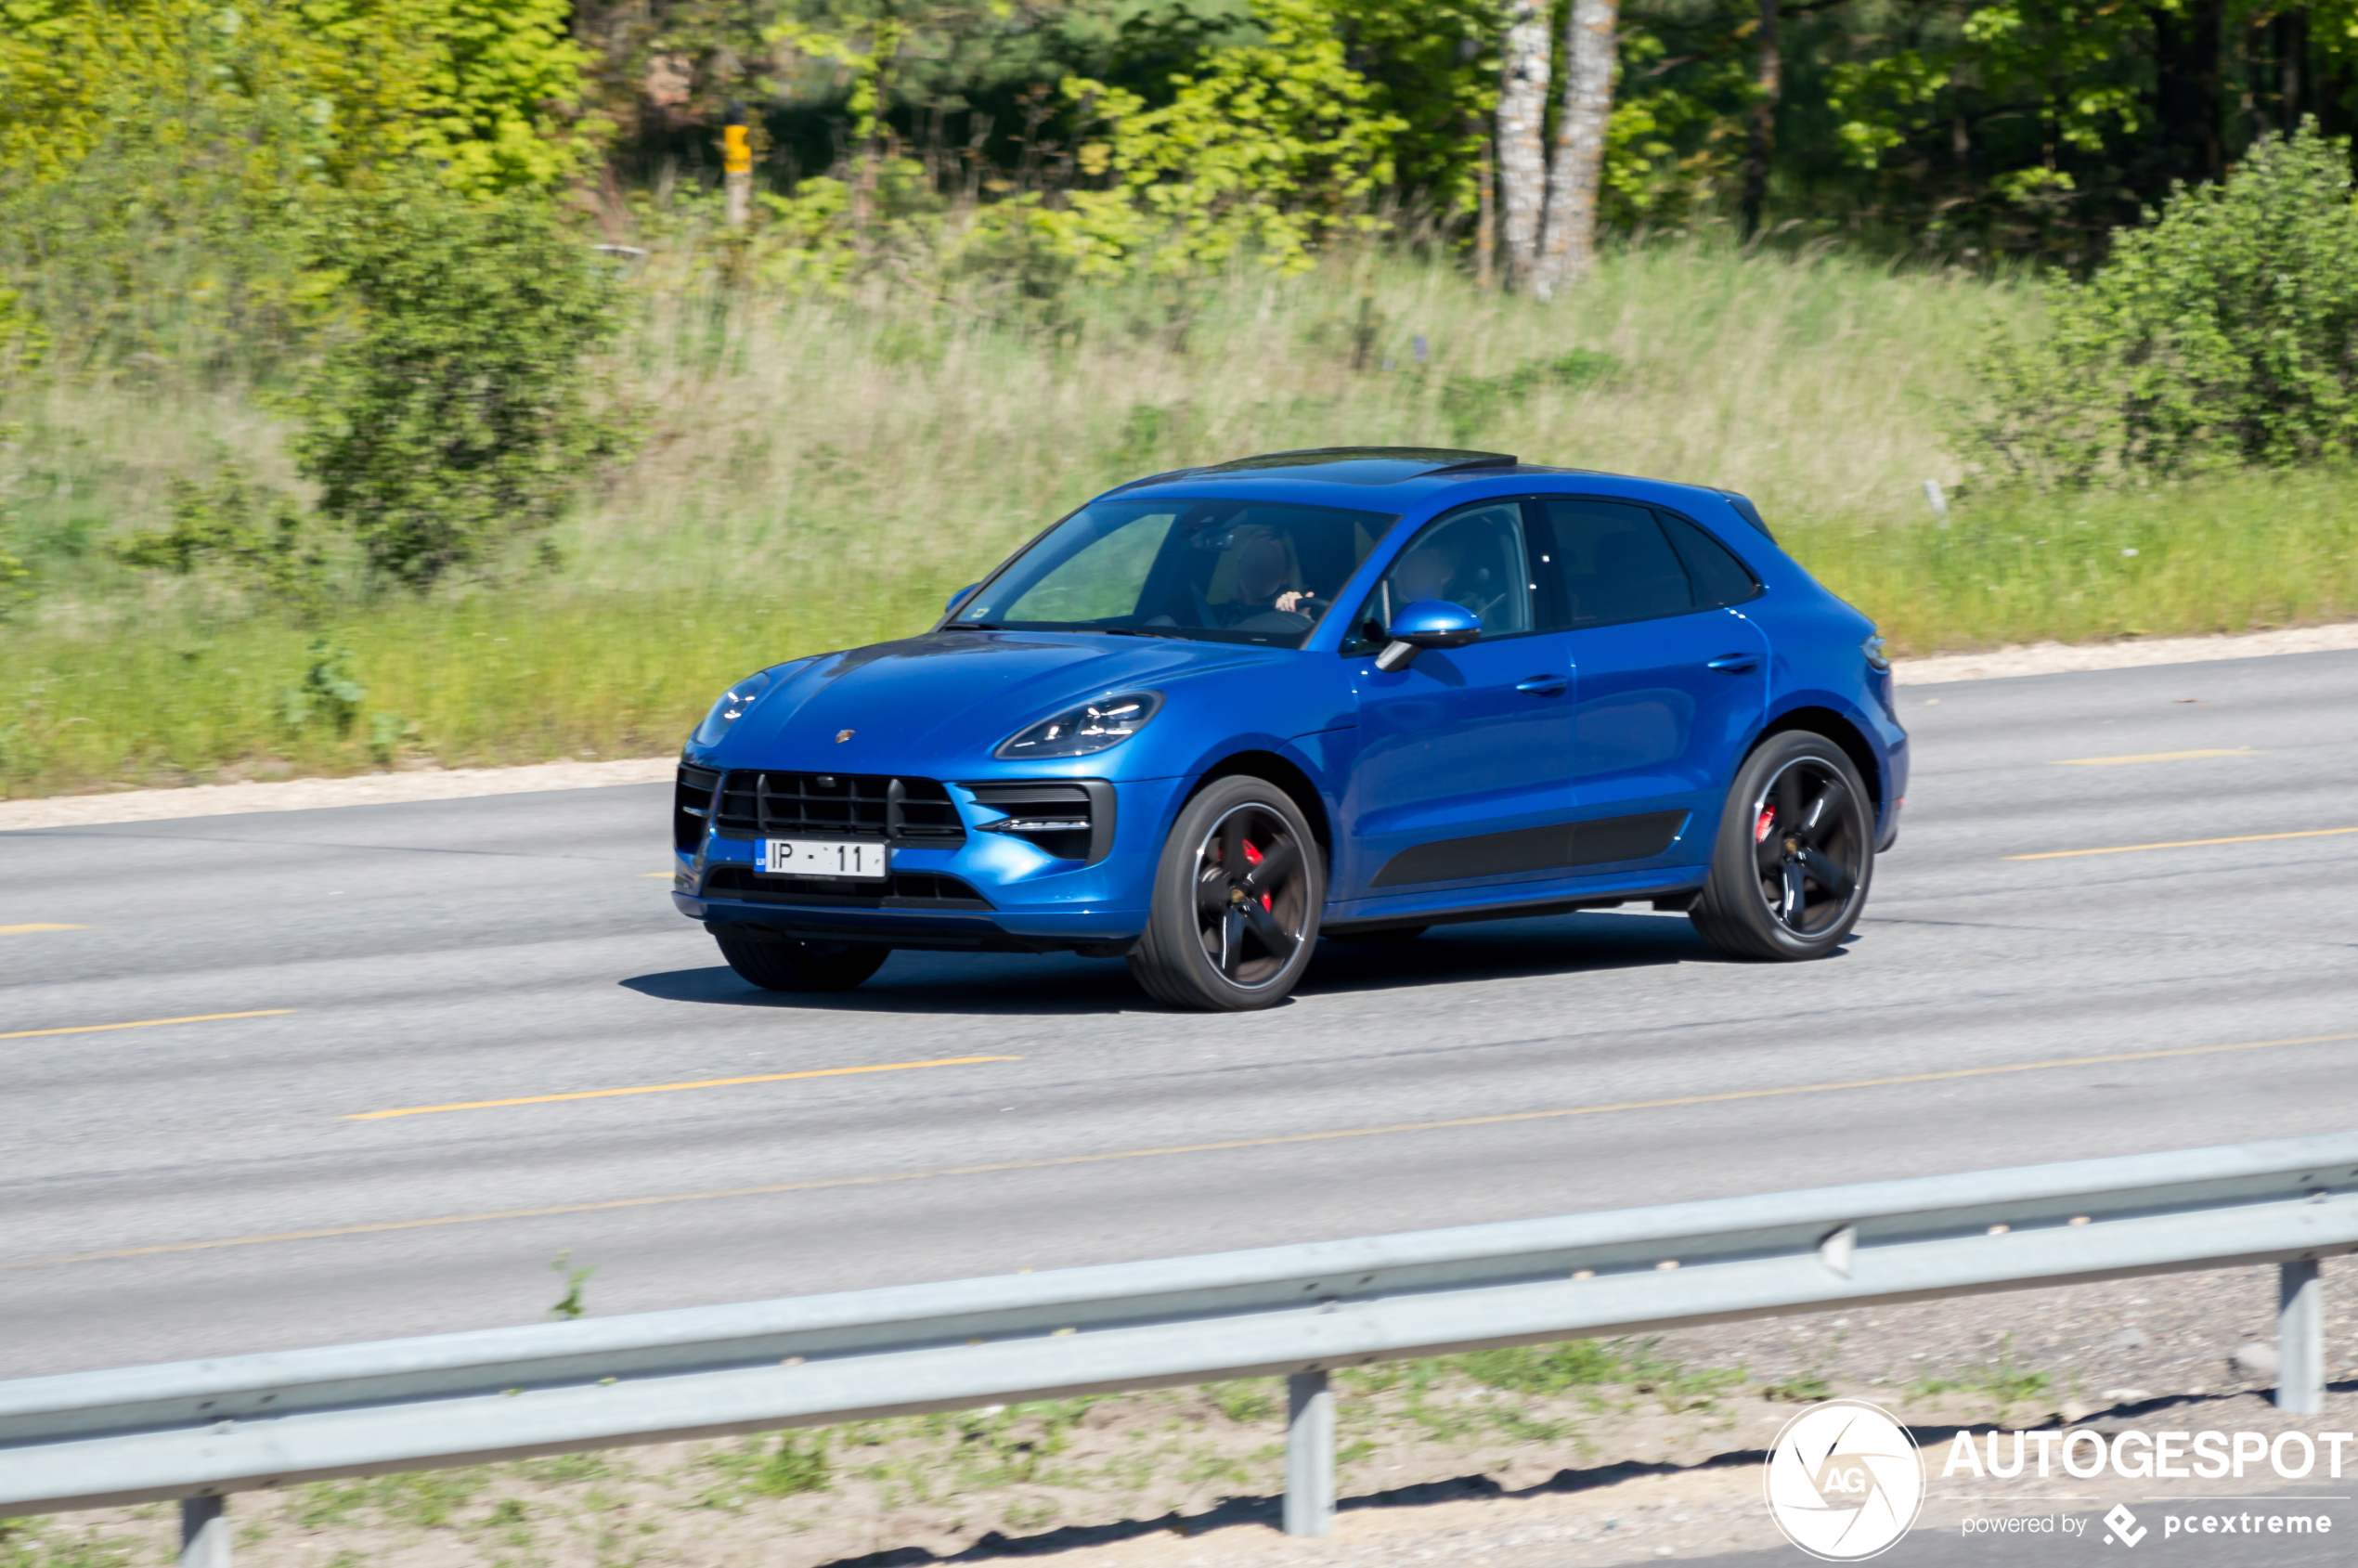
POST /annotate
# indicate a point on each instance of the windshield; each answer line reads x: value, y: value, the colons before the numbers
x: 1229, y: 571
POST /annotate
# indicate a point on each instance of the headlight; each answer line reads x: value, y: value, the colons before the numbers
x: 730, y: 708
x: 1092, y: 727
x: 1877, y: 658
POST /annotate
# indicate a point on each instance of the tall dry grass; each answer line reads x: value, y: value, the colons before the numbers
x: 820, y: 473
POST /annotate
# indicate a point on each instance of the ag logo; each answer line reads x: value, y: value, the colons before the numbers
x: 1844, y: 1480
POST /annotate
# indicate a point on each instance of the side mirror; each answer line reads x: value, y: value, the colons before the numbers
x: 1428, y: 623
x: 959, y: 598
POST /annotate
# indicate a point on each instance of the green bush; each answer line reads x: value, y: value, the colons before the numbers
x: 466, y: 405
x: 257, y: 534
x: 2224, y: 333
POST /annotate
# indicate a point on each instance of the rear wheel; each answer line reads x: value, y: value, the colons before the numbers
x: 1796, y: 852
x: 777, y: 965
x: 1235, y: 901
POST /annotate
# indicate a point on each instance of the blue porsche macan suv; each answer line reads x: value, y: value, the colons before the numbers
x: 1215, y: 714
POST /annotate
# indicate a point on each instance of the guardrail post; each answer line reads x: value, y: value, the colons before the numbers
x: 1310, y: 1455
x: 2301, y: 1339
x: 204, y: 1532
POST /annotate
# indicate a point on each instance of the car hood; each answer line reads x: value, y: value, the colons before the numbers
x: 938, y: 704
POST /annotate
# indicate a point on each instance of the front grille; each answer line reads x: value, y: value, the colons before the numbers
x: 839, y: 806
x: 691, y: 806
x: 1070, y: 821
x: 903, y: 889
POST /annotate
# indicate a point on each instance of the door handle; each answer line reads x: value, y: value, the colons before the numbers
x: 1544, y: 685
x: 1735, y: 664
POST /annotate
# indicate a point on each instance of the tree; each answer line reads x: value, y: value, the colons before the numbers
x: 1522, y: 156
x: 1761, y: 138
x: 1266, y: 149
x: 2225, y: 333
x: 467, y: 405
x: 1590, y: 64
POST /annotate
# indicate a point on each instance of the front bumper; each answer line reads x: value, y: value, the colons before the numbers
x: 995, y: 892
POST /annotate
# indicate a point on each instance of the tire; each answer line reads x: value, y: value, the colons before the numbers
x: 778, y: 965
x: 1794, y: 855
x: 1207, y: 948
x: 1389, y: 934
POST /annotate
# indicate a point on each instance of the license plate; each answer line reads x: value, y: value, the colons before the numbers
x: 824, y: 857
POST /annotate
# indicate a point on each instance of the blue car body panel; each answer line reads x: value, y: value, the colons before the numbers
x: 1634, y: 730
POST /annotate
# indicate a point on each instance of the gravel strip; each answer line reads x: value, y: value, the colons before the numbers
x: 2056, y: 659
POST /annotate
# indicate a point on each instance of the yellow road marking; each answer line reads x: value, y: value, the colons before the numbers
x: 2151, y: 756
x: 670, y: 1088
x: 664, y: 875
x: 2185, y: 843
x: 1002, y: 1167
x: 147, y: 1023
x: 21, y: 930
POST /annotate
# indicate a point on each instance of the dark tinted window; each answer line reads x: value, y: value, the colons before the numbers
x: 1613, y: 563
x: 1719, y: 577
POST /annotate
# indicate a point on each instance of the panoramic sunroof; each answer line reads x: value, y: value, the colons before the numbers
x: 1367, y: 465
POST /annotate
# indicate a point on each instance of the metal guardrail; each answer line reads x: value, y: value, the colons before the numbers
x: 199, y: 1430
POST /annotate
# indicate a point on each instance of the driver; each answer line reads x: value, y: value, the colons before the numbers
x: 1264, y: 579
x: 1430, y: 571
x: 1437, y: 569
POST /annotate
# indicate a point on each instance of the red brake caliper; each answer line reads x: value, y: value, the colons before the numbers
x: 1252, y: 856
x: 1768, y: 820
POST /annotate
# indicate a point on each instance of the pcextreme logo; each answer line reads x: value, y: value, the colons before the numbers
x: 1845, y: 1481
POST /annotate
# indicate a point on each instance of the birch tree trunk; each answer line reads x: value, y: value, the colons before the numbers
x: 1569, y: 248
x: 1522, y: 152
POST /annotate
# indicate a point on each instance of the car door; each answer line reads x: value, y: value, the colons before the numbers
x: 1460, y: 774
x: 1672, y: 678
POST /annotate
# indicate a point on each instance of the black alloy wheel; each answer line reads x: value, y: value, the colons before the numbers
x: 1794, y: 855
x: 1235, y: 904
x: 778, y: 965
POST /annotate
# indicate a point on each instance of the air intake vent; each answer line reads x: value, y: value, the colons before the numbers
x: 903, y: 889
x: 913, y: 812
x: 691, y: 807
x: 1069, y: 818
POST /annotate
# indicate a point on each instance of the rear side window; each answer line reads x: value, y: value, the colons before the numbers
x: 1614, y: 564
x: 1719, y: 576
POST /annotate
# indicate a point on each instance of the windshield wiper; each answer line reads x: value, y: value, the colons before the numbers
x: 974, y: 626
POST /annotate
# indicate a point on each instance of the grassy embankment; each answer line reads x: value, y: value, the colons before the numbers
x: 818, y: 474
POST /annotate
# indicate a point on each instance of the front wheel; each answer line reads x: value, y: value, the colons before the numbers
x: 776, y: 964
x: 1236, y: 898
x: 1795, y: 854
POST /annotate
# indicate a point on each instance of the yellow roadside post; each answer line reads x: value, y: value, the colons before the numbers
x: 736, y: 164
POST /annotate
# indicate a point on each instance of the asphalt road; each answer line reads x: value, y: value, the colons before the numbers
x: 189, y: 1188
